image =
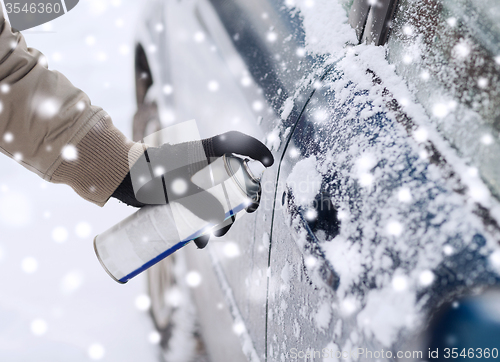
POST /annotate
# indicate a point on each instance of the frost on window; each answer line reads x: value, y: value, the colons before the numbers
x: 446, y: 50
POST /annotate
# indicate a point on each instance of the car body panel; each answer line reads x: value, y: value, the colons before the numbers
x: 396, y: 256
x: 200, y: 52
x: 215, y: 315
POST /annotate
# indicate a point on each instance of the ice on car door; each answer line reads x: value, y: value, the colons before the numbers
x: 363, y: 224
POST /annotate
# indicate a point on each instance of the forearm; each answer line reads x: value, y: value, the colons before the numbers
x: 44, y: 119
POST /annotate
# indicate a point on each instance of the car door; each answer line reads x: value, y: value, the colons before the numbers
x: 236, y: 65
x: 374, y: 229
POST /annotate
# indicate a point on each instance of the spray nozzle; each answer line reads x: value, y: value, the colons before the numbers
x: 255, y: 169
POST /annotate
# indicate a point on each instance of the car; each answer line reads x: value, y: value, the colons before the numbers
x: 378, y: 231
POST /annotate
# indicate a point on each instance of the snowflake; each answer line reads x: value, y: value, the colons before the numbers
x: 482, y: 82
x: 39, y: 327
x: 487, y: 139
x: 5, y: 88
x: 311, y: 215
x: 29, y: 265
x: 124, y: 49
x: 246, y: 81
x: 400, y: 283
x: 421, y: 134
x: 394, y: 228
x: 403, y: 101
x: 461, y: 50
x: 348, y: 306
x: 101, y: 56
x: 158, y: 171
x: 426, y: 278
x: 83, y: 229
x: 199, y: 36
x: 239, y: 328
x: 293, y: 152
x: 18, y: 156
x: 320, y: 115
x: 8, y: 137
x: 193, y: 279
x: 179, y: 186
x: 440, y: 110
x: 407, y: 30
x: 473, y: 172
x: 366, y: 179
x: 451, y: 22
x: 300, y: 52
x: 56, y: 57
x: 407, y: 59
x: 47, y: 26
x: 90, y: 40
x: 167, y: 89
x: 80, y: 105
x: 257, y: 106
x: 494, y: 260
x: 69, y: 153
x: 154, y: 337
x: 48, y: 108
x: 159, y: 27
x: 404, y: 195
x: 448, y: 249
x: 42, y: 60
x: 271, y: 36
x: 71, y: 282
x: 310, y: 261
x: 231, y: 250
x: 96, y: 351
x: 59, y: 234
x: 119, y: 23
x: 142, y: 302
x: 213, y: 86
x: 152, y: 48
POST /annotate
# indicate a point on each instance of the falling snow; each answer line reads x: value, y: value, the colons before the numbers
x: 55, y: 294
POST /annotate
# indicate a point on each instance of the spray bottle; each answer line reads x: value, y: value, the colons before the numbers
x: 154, y: 232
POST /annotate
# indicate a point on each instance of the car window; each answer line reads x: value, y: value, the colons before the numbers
x: 449, y: 53
x: 269, y: 36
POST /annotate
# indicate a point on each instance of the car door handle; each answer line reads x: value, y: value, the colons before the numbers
x: 325, y: 219
x: 321, y: 215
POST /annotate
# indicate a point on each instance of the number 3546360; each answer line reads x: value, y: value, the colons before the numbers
x: 33, y: 8
x: 470, y: 353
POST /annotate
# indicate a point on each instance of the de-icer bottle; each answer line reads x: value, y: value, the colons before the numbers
x: 154, y: 232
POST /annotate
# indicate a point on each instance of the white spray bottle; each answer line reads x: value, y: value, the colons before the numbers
x: 154, y: 232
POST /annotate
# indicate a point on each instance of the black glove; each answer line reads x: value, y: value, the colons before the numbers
x: 184, y: 160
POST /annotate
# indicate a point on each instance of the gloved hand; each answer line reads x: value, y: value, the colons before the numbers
x: 181, y: 161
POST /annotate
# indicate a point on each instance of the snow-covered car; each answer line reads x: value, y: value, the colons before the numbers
x: 377, y: 236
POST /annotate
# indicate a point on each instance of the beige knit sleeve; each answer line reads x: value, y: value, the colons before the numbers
x: 50, y: 127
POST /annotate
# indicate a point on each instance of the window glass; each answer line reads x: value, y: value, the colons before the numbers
x: 347, y: 4
x: 448, y: 51
x: 482, y: 17
x: 270, y: 38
